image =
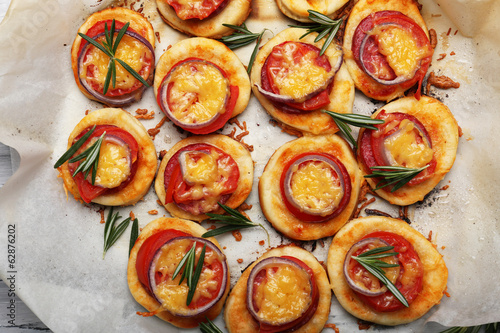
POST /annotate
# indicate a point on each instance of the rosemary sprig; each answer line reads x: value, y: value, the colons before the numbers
x: 209, y: 327
x: 488, y: 328
x: 191, y: 274
x: 134, y: 233
x: 323, y: 25
x: 112, y: 233
x: 394, y: 175
x: 91, y: 155
x: 370, y: 261
x: 74, y: 148
x: 234, y: 221
x: 109, y: 47
x: 358, y: 120
x: 242, y: 37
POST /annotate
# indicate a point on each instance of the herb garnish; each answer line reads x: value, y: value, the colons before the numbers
x: 370, y: 261
x: 394, y: 175
x: 191, y: 274
x: 109, y: 47
x: 323, y: 25
x: 234, y: 221
x: 242, y: 37
x: 209, y: 327
x: 488, y: 328
x: 358, y: 120
x: 134, y: 233
x: 112, y: 233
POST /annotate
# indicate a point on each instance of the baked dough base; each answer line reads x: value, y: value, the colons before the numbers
x: 214, y: 52
x: 434, y: 279
x: 240, y: 155
x: 239, y: 320
x: 314, y: 122
x: 235, y: 13
x: 147, y: 161
x: 443, y: 131
x: 271, y: 200
x: 297, y: 9
x: 362, y: 9
x: 140, y: 293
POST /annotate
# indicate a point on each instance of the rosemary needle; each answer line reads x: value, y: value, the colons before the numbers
x: 112, y: 233
x: 190, y: 273
x: 397, y: 175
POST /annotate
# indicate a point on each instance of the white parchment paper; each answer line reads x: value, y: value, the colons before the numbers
x: 58, y: 268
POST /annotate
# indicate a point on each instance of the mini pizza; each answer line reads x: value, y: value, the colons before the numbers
x: 387, y: 47
x: 200, y: 84
x: 416, y: 134
x: 91, y: 66
x: 285, y: 290
x: 127, y: 160
x: 293, y: 82
x: 152, y: 265
x: 204, y: 18
x: 298, y: 9
x: 418, y: 271
x: 310, y: 186
x: 200, y: 172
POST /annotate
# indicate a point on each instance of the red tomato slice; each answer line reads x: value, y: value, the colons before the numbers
x: 195, y: 10
x: 316, y: 218
x: 410, y: 279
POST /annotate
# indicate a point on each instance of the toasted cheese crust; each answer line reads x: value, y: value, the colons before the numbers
x: 298, y: 9
x: 140, y: 293
x: 443, y: 132
x: 231, y: 147
x: 235, y: 12
x: 314, y: 122
x: 434, y: 278
x: 239, y: 320
x: 147, y: 161
x: 272, y: 202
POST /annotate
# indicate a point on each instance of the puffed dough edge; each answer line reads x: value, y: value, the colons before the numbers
x: 140, y: 293
x: 239, y: 320
x: 434, y: 278
x: 137, y: 22
x: 214, y: 52
x: 362, y: 9
x: 147, y: 161
x: 443, y: 131
x: 237, y: 151
x: 298, y: 9
x: 271, y: 200
x: 235, y: 13
x: 314, y: 122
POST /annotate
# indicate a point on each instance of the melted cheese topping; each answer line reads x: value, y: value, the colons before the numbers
x: 407, y: 147
x: 300, y: 77
x: 198, y: 92
x: 198, y: 167
x: 172, y: 294
x: 284, y: 296
x: 114, y: 164
x: 400, y: 49
x: 95, y: 65
x: 316, y: 188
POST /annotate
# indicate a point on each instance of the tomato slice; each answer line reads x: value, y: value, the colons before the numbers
x: 195, y: 9
x: 409, y: 281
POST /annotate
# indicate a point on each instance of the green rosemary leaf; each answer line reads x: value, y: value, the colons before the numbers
x: 134, y: 233
x: 119, y: 37
x: 96, y: 44
x: 389, y: 175
x: 196, y: 275
x: 132, y: 71
x: 108, y: 77
x: 376, y: 250
x: 109, y: 35
x: 346, y: 131
x: 112, y: 233
x: 209, y: 327
x: 91, y: 155
x: 74, y: 148
x: 183, y: 261
x: 224, y: 229
x: 354, y: 119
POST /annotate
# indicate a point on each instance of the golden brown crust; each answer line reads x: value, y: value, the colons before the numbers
x: 443, y: 131
x: 214, y: 52
x: 298, y: 9
x: 234, y: 13
x: 147, y: 161
x: 361, y: 10
x: 137, y: 22
x: 271, y: 200
x: 239, y: 320
x: 240, y: 155
x: 315, y: 122
x: 434, y: 278
x: 138, y: 290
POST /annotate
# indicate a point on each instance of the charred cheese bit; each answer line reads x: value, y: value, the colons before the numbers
x: 300, y: 77
x: 407, y: 147
x: 198, y: 92
x: 315, y: 187
x: 400, y: 49
x: 130, y: 50
x: 114, y: 164
x: 285, y: 295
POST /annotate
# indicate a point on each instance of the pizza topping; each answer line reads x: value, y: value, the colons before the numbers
x: 198, y: 9
x: 281, y: 293
x: 315, y: 187
x: 197, y: 96
x: 114, y: 162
